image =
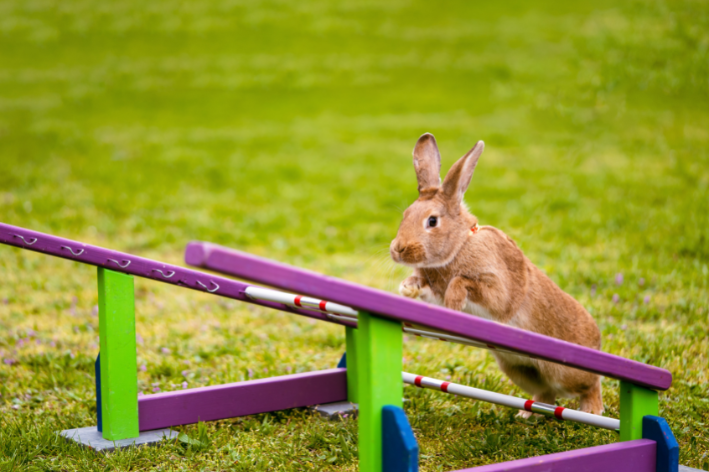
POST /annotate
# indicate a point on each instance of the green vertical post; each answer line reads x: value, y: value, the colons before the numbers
x: 119, y: 362
x: 635, y: 403
x: 352, y: 372
x: 379, y: 351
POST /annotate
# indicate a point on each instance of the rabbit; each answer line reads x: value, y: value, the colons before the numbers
x: 479, y: 270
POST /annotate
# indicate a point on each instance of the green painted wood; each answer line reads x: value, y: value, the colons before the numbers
x: 351, y: 350
x: 119, y: 362
x: 635, y: 403
x: 379, y: 351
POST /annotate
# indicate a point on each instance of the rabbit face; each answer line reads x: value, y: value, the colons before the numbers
x: 436, y: 225
x: 430, y: 234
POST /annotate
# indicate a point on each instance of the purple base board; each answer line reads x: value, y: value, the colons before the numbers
x: 635, y: 456
x: 163, y: 410
x: 388, y: 305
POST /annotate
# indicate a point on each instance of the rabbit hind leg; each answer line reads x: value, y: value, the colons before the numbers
x: 525, y: 375
x: 591, y: 400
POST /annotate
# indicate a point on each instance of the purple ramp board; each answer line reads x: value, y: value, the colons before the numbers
x: 138, y: 266
x: 392, y: 306
x: 218, y: 402
x: 635, y: 456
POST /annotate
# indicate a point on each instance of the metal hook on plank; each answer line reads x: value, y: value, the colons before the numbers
x: 207, y: 288
x: 25, y: 240
x: 81, y: 251
x: 127, y: 263
x: 171, y: 273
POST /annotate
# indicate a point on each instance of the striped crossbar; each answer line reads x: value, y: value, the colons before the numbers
x: 558, y: 412
x: 342, y: 313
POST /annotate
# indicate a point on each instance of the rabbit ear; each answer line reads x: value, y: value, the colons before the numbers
x: 427, y: 162
x: 458, y: 178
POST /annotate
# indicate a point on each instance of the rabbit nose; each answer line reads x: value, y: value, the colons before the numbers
x: 397, y: 247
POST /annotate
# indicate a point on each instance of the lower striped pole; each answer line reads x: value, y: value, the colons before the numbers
x: 512, y: 402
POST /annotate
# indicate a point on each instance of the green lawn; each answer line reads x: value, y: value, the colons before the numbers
x: 285, y: 129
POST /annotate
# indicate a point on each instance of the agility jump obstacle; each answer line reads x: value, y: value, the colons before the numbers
x: 374, y: 323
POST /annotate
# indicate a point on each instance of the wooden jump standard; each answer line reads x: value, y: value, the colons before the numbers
x: 375, y: 353
x: 381, y: 315
x: 123, y: 414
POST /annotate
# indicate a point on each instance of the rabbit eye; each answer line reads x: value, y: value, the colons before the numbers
x: 432, y: 221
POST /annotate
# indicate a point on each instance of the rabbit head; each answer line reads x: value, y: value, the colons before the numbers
x: 437, y: 224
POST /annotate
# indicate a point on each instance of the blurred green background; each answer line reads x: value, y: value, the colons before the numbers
x: 286, y: 129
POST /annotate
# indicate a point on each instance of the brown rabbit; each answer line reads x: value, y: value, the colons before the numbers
x: 481, y: 271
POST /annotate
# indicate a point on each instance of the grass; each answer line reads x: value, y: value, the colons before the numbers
x: 285, y: 129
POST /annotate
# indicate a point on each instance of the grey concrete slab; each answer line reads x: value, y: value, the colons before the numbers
x: 337, y: 410
x: 684, y: 468
x: 91, y: 438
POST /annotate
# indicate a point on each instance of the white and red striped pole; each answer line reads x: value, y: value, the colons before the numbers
x: 300, y: 301
x: 344, y: 313
x: 512, y: 402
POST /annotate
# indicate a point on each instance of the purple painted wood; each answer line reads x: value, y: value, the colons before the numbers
x: 162, y: 410
x: 139, y: 266
x: 635, y: 456
x: 392, y: 306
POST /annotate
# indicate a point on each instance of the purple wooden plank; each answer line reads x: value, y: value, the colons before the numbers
x: 139, y: 266
x: 635, y: 456
x: 162, y: 410
x: 290, y: 278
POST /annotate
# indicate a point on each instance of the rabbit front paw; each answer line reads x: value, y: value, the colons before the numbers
x: 411, y: 287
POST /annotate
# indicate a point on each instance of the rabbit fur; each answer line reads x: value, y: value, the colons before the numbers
x: 481, y: 271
